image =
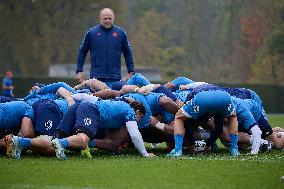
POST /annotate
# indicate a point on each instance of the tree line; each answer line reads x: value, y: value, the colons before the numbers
x: 220, y: 41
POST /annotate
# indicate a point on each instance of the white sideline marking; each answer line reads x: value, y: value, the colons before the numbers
x: 43, y: 186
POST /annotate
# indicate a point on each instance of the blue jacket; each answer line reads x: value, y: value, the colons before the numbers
x: 106, y: 47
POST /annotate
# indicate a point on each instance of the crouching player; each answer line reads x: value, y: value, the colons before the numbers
x: 206, y: 104
x: 252, y: 119
x: 102, y: 114
x: 15, y: 118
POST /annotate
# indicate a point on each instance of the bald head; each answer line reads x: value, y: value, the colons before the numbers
x: 106, y: 17
x: 106, y: 11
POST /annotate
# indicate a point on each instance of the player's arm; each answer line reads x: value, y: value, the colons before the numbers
x: 148, y: 88
x: 162, y: 126
x: 66, y: 95
x: 191, y: 85
x: 107, y: 94
x: 84, y: 97
x: 136, y: 137
x: 93, y: 84
x: 129, y: 89
x: 6, y: 87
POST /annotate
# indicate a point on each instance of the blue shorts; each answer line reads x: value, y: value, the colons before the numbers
x: 47, y: 117
x: 87, y: 119
x: 209, y: 103
x: 67, y: 124
x: 205, y: 87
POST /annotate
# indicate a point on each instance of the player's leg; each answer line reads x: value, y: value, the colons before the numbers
x: 87, y: 122
x: 27, y: 129
x: 114, y: 139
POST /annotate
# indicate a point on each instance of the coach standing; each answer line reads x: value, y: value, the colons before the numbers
x: 106, y: 42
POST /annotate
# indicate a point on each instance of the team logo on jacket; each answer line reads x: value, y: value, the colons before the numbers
x: 88, y: 121
x: 98, y: 34
x: 114, y: 34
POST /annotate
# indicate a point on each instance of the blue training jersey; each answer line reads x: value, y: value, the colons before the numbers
x: 145, y: 120
x: 248, y: 112
x: 209, y: 103
x: 182, y: 95
x: 12, y: 113
x: 114, y: 114
x: 153, y: 102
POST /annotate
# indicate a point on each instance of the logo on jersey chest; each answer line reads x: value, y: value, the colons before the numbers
x: 114, y: 34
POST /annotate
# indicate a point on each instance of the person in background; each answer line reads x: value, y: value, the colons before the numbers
x: 106, y: 42
x: 7, y: 84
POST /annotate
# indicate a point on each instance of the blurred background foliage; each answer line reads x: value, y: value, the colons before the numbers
x: 220, y: 41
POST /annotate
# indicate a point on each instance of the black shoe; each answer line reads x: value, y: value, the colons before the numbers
x: 266, y: 147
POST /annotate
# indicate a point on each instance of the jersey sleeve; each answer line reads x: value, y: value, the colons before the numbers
x: 82, y: 51
x: 130, y: 114
x: 52, y: 88
x: 127, y: 53
x: 29, y: 111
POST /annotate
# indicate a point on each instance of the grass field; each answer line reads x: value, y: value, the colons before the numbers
x: 132, y: 171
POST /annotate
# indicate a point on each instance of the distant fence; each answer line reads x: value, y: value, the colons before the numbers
x: 271, y: 95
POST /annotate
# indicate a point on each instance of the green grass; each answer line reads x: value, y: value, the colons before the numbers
x: 276, y: 120
x: 133, y: 171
